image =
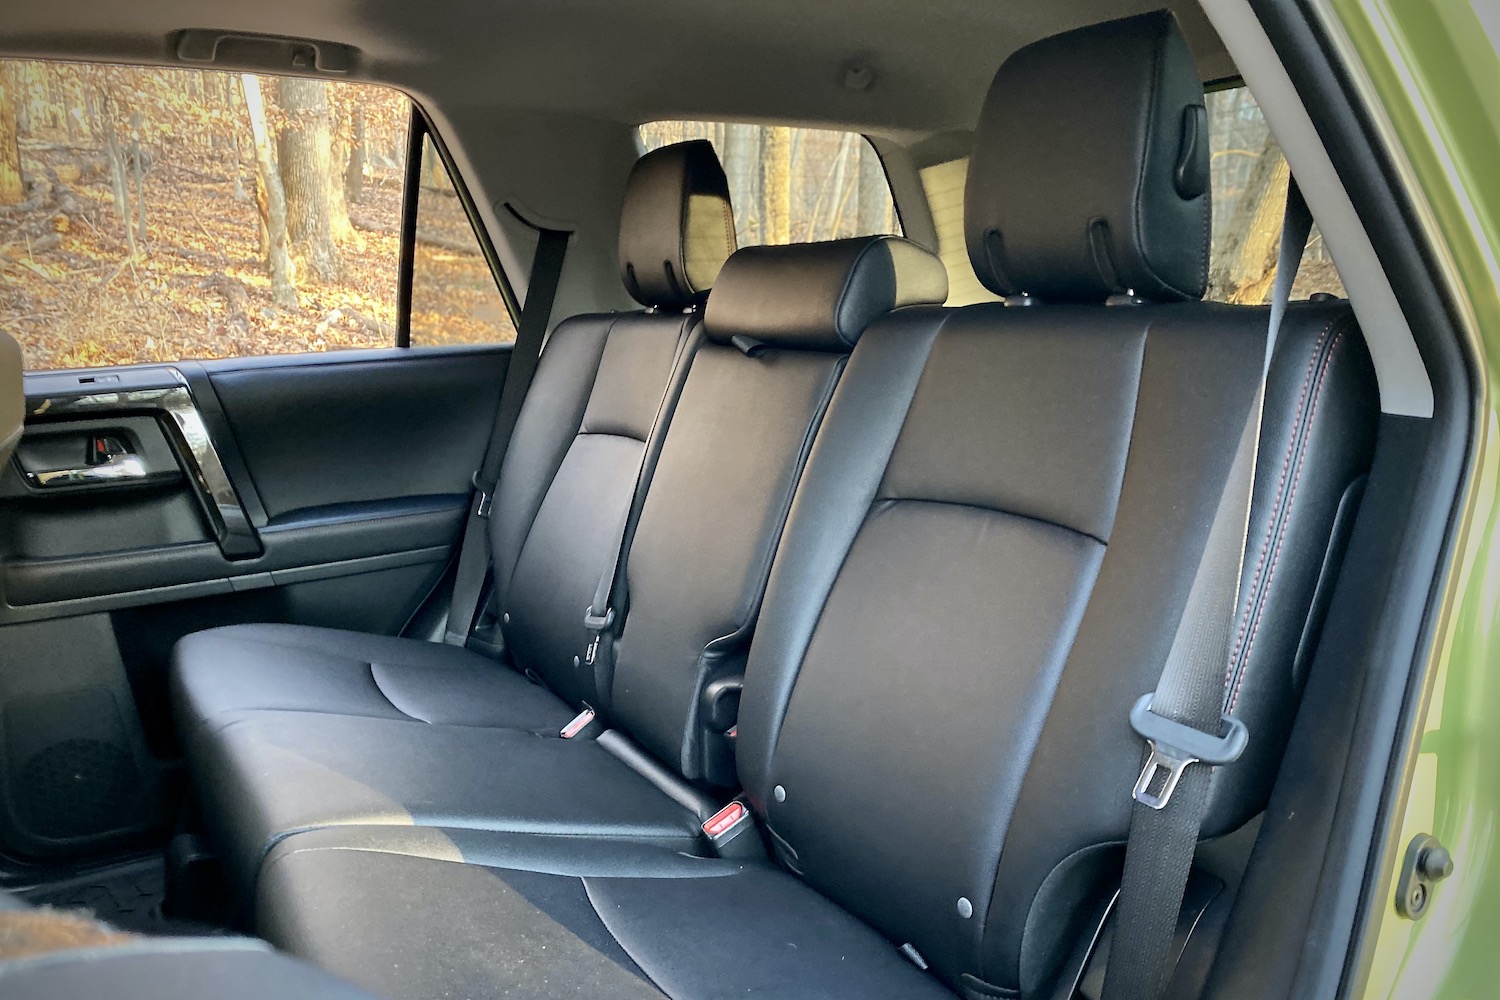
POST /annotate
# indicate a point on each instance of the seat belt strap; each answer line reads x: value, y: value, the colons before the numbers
x: 474, y: 549
x: 1183, y: 721
x: 600, y: 616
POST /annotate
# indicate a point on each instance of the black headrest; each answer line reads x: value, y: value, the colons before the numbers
x: 677, y: 227
x: 820, y: 296
x: 1090, y: 169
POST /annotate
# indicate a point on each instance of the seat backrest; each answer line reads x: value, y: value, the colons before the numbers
x: 1000, y: 521
x: 12, y: 396
x: 591, y: 416
x: 778, y: 327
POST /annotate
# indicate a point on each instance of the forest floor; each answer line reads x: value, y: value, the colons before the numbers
x: 74, y: 296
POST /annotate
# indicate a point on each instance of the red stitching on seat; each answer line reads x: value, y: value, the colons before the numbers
x: 1290, y: 500
x: 1265, y: 545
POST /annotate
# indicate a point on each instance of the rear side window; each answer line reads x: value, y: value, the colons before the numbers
x: 1248, y: 175
x: 165, y: 214
x: 1249, y: 178
x: 790, y: 184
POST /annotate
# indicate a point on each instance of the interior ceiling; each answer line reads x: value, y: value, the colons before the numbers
x: 631, y: 60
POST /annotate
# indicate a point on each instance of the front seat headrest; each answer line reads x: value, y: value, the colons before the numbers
x: 1089, y: 176
x: 820, y: 296
x: 677, y: 226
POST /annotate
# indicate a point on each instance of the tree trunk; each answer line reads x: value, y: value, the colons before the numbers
x: 354, y: 170
x: 304, y: 151
x: 1252, y: 232
x: 12, y: 183
x: 138, y: 157
x: 742, y: 150
x: 268, y: 183
x: 777, y: 184
x: 874, y: 193
x: 338, y: 202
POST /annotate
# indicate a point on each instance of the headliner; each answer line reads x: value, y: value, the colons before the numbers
x: 632, y: 61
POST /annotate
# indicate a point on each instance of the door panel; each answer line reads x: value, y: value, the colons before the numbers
x: 148, y: 502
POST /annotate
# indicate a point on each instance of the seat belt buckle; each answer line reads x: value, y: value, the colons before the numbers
x: 731, y: 831
x: 486, y: 496
x: 1174, y: 747
x: 581, y: 722
x: 596, y: 624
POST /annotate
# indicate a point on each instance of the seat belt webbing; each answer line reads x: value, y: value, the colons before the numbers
x: 474, y: 549
x: 600, y: 615
x: 1183, y: 721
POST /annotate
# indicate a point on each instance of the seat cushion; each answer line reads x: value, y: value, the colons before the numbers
x: 221, y: 674
x: 422, y: 913
x: 268, y: 774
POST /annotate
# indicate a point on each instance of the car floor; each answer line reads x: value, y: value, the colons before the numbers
x: 129, y: 895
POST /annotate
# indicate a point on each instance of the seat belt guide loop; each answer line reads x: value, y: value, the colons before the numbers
x: 596, y: 624
x: 1174, y: 746
x: 486, y: 493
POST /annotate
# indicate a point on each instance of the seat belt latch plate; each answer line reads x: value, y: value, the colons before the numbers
x: 580, y: 722
x: 1174, y: 746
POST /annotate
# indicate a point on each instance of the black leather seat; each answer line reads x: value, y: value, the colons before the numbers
x: 754, y: 394
x: 982, y: 569
x: 567, y: 479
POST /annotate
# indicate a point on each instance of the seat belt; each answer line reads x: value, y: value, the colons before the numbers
x: 1183, y: 721
x: 599, y: 617
x: 474, y: 550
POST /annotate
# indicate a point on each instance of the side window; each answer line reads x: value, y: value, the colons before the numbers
x: 943, y: 183
x: 790, y: 184
x: 163, y: 214
x: 454, y: 297
x: 1248, y: 175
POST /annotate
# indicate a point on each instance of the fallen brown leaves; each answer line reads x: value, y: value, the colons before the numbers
x: 74, y: 297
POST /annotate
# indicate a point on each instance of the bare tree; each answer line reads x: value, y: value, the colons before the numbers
x: 12, y: 182
x: 1246, y: 265
x: 305, y: 155
x: 354, y: 170
x: 268, y: 184
x: 874, y: 209
x: 776, y: 169
x: 138, y: 162
x: 742, y: 153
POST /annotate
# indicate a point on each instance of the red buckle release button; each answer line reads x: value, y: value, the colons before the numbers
x: 725, y: 820
x: 579, y: 724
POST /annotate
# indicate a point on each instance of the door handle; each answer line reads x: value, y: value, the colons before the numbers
x: 113, y: 471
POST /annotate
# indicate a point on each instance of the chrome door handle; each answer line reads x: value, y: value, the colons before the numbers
x: 118, y: 469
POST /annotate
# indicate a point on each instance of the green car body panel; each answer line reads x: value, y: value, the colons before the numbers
x: 1432, y: 71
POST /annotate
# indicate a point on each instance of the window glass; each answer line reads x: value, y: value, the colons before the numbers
x: 793, y: 185
x: 944, y: 186
x: 1248, y: 177
x: 161, y: 214
x: 454, y: 297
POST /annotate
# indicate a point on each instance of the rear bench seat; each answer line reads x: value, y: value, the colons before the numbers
x: 754, y: 393
x: 982, y: 569
x: 568, y: 479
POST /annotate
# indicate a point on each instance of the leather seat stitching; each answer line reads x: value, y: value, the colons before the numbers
x: 1265, y: 546
x: 1290, y: 501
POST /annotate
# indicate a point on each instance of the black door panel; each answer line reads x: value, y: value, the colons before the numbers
x: 321, y: 490
x: 318, y: 435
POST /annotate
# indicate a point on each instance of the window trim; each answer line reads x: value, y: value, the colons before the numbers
x: 422, y: 128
